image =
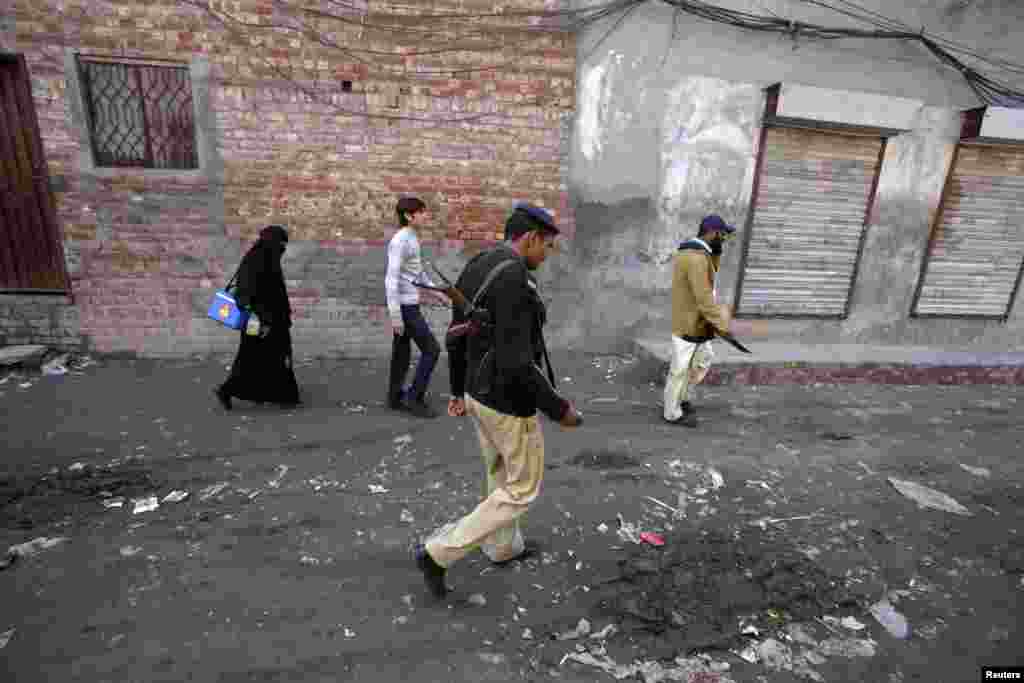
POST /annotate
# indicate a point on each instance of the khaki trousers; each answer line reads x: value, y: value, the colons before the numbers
x: 689, y: 366
x: 513, y: 454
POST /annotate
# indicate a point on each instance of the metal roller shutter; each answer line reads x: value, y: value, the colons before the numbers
x: 974, y: 258
x: 813, y: 195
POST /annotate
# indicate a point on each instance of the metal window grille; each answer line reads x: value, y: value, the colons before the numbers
x: 140, y: 114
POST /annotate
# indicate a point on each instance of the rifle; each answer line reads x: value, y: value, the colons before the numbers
x: 733, y: 341
x: 449, y: 289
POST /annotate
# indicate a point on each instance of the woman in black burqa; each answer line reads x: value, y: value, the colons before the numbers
x: 263, y: 371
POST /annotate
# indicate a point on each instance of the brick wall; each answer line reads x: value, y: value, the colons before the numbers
x: 469, y: 131
x: 50, y: 320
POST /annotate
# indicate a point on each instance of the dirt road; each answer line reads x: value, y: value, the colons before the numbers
x: 289, y: 558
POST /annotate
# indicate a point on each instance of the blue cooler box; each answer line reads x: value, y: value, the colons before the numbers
x: 224, y: 309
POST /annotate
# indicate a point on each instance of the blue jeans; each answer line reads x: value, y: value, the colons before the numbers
x: 416, y: 330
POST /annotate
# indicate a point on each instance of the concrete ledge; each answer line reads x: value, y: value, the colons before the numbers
x: 29, y: 355
x: 866, y: 374
x: 775, y: 363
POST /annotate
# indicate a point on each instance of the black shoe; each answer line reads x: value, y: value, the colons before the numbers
x: 685, y: 421
x: 530, y: 549
x: 419, y: 408
x: 687, y: 408
x: 224, y: 398
x: 433, y: 573
x: 394, y: 401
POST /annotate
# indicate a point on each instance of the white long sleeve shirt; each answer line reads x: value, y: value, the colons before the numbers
x: 405, y: 266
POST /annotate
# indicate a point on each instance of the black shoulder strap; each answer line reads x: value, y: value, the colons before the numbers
x: 547, y: 360
x: 495, y: 271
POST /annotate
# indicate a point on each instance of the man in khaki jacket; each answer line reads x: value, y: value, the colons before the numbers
x: 696, y: 316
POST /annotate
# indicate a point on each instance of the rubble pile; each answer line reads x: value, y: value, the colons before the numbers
x: 710, y: 590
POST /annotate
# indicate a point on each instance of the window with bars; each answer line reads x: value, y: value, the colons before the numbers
x: 139, y: 113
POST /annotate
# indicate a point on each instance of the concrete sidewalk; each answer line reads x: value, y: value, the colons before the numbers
x: 795, y: 363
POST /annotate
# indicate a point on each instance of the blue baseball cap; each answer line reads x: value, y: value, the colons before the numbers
x: 715, y: 222
x: 542, y: 216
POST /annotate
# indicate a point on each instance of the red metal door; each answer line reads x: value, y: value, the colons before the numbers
x: 31, y: 256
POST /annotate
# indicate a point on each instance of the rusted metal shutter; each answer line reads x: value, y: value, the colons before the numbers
x: 31, y: 258
x: 973, y: 263
x: 811, y: 202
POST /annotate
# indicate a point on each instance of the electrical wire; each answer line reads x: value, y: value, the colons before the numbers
x: 881, y: 21
x: 480, y: 26
x: 988, y: 90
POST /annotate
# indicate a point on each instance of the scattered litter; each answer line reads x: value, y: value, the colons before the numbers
x: 111, y: 503
x: 717, y: 480
x: 55, y: 367
x: 894, y: 622
x: 276, y: 481
x: 34, y: 546
x: 407, y: 517
x: 775, y: 655
x: 757, y: 483
x: 607, y: 632
x: 867, y: 469
x: 837, y: 436
x: 349, y: 633
x: 605, y: 399
x: 651, y: 538
x: 309, y: 561
x: 493, y: 659
x: 750, y: 630
x: 175, y: 497
x: 764, y: 522
x: 977, y: 471
x: 749, y: 654
x: 77, y: 467
x: 527, y: 634
x: 403, y: 440
x: 852, y: 624
x: 684, y: 671
x: 374, y: 488
x: 928, y: 498
x: 401, y: 621
x: 147, y: 504
x: 477, y: 600
x: 847, y: 647
x: 627, y: 531
x: 130, y: 551
x: 581, y: 631
x: 25, y: 385
x: 211, y: 491
x: 675, y: 511
x: 5, y: 638
x: 792, y: 452
x: 602, y: 527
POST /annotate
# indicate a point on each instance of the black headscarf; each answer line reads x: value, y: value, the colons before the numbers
x: 261, y: 283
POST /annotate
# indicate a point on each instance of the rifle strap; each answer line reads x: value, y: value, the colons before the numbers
x: 495, y: 271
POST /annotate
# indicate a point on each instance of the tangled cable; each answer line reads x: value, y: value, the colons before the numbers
x: 988, y: 90
x: 490, y: 30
